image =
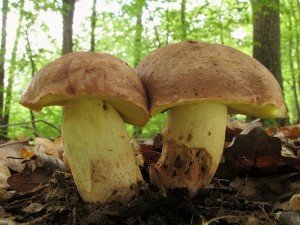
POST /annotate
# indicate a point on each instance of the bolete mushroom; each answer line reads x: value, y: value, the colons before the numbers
x: 199, y: 83
x: 99, y: 92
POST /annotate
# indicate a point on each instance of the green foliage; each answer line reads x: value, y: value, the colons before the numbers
x: 210, y: 21
x: 154, y: 126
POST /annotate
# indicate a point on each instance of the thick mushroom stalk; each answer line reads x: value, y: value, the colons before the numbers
x: 193, y: 142
x: 99, y: 152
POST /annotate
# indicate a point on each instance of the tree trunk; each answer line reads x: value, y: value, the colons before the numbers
x: 221, y: 24
x: 138, y: 33
x: 68, y: 14
x: 2, y: 62
x: 11, y: 71
x: 266, y: 37
x: 138, y: 48
x: 296, y: 17
x: 183, y: 20
x: 167, y: 27
x: 293, y: 15
x: 93, y: 25
x: 157, y: 35
x: 33, y: 71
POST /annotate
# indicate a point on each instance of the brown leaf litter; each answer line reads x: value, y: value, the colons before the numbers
x: 59, y: 203
x: 256, y: 184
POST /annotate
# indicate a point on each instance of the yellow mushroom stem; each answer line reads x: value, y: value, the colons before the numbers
x: 99, y: 152
x: 193, y: 142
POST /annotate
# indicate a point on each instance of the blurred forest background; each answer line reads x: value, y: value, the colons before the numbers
x: 34, y: 33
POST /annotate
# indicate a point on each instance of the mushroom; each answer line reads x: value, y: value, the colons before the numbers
x: 199, y: 83
x: 98, y: 92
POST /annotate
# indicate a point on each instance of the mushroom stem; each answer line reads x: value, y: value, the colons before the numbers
x: 193, y: 142
x: 99, y: 152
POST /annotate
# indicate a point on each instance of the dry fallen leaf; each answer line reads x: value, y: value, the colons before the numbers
x: 151, y: 150
x: 27, y: 180
x: 33, y: 208
x: 277, y: 189
x: 27, y: 153
x: 291, y: 132
x: 46, y: 146
x: 150, y: 157
x: 289, y: 218
x: 295, y: 202
x: 10, y: 155
x: 255, y: 153
x: 4, y: 174
x: 234, y: 127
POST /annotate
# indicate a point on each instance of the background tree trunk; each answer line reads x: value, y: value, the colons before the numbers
x: 293, y: 46
x: 33, y: 71
x: 11, y: 70
x: 157, y: 36
x: 266, y: 37
x: 68, y: 15
x: 93, y: 25
x: 295, y: 26
x: 2, y: 62
x: 138, y: 48
x: 183, y: 20
x: 221, y: 23
x: 167, y: 27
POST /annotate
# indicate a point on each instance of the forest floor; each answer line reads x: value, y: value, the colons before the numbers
x: 240, y: 194
x: 59, y: 203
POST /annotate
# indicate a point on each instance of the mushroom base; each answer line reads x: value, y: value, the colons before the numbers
x: 99, y: 152
x: 193, y: 142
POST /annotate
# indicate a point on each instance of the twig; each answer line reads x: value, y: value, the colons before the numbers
x: 36, y: 121
x: 30, y: 128
x: 161, y: 186
x: 242, y: 186
x: 107, y: 200
x: 12, y: 143
x: 74, y: 216
x: 265, y: 213
x: 216, y: 219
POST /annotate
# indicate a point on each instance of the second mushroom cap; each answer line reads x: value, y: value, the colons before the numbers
x: 203, y: 72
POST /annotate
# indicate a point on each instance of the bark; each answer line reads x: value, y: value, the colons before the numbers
x: 183, y: 20
x: 266, y: 35
x: 33, y: 71
x: 68, y: 15
x: 138, y: 35
x: 93, y: 25
x: 167, y: 26
x: 11, y: 71
x: 221, y: 24
x: 2, y: 60
x: 293, y: 51
x: 157, y: 36
x: 138, y: 48
x: 294, y: 86
x: 296, y: 16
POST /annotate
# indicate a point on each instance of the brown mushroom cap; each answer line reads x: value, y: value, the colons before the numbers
x: 193, y: 72
x: 80, y: 75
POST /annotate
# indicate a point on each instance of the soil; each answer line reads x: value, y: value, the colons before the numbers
x: 58, y: 202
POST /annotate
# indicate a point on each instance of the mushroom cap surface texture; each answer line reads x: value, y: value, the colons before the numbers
x: 81, y: 75
x: 195, y: 72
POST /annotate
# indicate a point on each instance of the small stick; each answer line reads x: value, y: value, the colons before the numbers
x: 35, y: 121
x: 216, y: 219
